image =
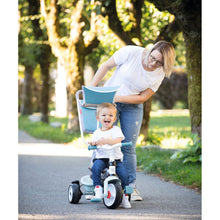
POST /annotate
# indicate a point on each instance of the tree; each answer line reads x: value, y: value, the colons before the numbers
x: 70, y: 51
x: 26, y: 51
x: 43, y: 57
x: 188, y: 18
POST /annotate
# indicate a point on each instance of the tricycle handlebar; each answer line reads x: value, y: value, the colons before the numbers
x: 92, y: 147
x: 125, y: 144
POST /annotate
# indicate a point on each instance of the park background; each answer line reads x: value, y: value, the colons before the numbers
x: 37, y: 74
x: 61, y: 44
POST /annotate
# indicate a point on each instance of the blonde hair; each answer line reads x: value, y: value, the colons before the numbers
x: 106, y: 105
x: 168, y: 53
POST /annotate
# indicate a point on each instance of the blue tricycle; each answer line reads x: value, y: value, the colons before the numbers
x: 112, y: 189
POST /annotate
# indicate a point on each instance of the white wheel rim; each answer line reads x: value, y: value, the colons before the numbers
x: 70, y: 193
x: 111, y: 200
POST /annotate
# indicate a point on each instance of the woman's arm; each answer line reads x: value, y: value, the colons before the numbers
x: 135, y: 99
x: 109, y: 64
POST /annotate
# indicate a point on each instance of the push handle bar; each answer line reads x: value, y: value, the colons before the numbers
x: 125, y: 144
x: 92, y: 147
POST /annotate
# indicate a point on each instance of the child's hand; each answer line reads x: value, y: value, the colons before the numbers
x: 109, y: 141
x: 101, y: 141
x: 92, y: 143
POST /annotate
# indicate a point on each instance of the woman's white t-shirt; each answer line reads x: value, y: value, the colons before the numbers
x: 113, y: 133
x: 130, y: 73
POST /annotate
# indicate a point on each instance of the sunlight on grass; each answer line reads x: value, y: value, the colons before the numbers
x: 174, y: 143
x: 170, y: 127
x: 173, y: 112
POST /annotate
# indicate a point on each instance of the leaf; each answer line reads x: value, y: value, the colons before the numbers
x: 174, y: 156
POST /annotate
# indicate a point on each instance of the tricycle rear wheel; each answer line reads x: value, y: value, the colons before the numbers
x: 74, y: 193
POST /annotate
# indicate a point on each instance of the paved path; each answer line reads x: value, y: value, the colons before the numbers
x: 46, y: 169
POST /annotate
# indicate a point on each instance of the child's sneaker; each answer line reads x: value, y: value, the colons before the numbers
x: 89, y: 197
x: 98, y: 194
x: 125, y: 202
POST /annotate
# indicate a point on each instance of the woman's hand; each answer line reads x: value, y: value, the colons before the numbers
x: 135, y: 99
x: 116, y: 98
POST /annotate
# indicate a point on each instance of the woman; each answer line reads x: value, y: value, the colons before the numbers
x: 139, y: 72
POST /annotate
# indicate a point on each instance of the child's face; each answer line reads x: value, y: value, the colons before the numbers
x: 107, y: 117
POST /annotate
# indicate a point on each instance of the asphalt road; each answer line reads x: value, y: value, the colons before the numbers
x: 44, y: 177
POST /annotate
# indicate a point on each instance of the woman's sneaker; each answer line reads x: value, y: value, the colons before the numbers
x: 98, y: 194
x: 135, y: 196
x: 125, y: 202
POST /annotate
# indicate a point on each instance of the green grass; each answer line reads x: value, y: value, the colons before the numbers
x: 171, y: 128
x: 158, y: 162
x: 42, y: 130
x: 168, y: 125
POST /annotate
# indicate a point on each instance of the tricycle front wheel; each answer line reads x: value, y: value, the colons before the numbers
x: 114, y: 198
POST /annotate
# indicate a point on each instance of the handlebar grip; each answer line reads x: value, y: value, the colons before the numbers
x: 126, y: 144
x: 90, y: 147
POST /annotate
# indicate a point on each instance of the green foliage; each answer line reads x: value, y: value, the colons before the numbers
x: 153, y: 138
x: 169, y: 129
x: 152, y: 22
x: 192, y: 153
x: 170, y: 123
x: 180, y: 50
x: 45, y: 131
x: 157, y: 161
x: 180, y: 105
x: 32, y: 48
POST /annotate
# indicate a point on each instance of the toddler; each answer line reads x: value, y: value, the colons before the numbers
x: 108, y: 134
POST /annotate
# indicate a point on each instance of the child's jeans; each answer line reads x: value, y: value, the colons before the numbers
x: 100, y: 164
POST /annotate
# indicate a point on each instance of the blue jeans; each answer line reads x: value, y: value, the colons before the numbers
x: 100, y: 164
x: 130, y: 117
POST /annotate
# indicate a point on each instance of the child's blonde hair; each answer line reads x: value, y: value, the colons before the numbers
x: 106, y: 105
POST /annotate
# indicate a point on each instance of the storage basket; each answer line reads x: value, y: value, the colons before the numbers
x: 88, y: 183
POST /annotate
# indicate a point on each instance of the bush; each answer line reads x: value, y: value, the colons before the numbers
x: 173, y: 89
x: 157, y: 161
x: 192, y: 153
x: 153, y: 138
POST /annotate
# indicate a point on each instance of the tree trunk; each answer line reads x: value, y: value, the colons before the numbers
x: 60, y: 90
x: 146, y: 118
x: 193, y: 59
x: 45, y: 91
x: 43, y: 58
x: 74, y: 82
x: 192, y: 37
x: 26, y: 108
